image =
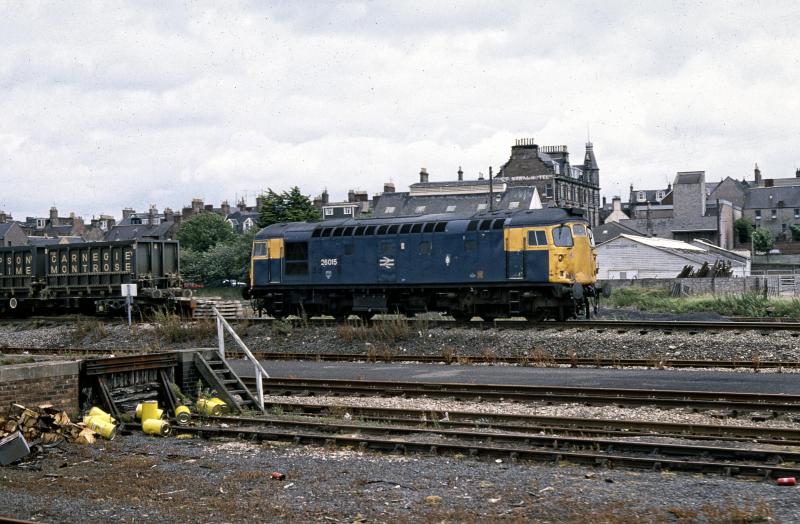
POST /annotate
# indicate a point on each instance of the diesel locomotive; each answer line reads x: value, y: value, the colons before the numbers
x: 534, y: 263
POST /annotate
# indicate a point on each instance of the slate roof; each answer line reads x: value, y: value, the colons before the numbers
x: 690, y: 177
x: 4, y: 227
x: 137, y: 231
x: 692, y: 253
x: 759, y: 197
x: 405, y: 204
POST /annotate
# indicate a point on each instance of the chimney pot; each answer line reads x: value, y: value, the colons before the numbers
x: 423, y: 175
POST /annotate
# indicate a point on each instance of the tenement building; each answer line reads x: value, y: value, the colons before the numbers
x: 533, y: 177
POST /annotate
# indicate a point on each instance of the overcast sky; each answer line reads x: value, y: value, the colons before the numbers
x: 107, y: 105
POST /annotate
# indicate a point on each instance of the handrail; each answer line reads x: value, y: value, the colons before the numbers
x: 260, y: 372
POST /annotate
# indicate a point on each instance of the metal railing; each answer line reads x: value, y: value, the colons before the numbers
x: 260, y: 372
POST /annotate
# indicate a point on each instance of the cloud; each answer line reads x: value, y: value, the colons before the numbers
x: 109, y: 105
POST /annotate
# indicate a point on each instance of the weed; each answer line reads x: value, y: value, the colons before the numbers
x: 281, y: 327
x: 94, y: 330
x: 489, y: 355
x: 169, y: 327
x: 448, y: 353
x: 541, y: 358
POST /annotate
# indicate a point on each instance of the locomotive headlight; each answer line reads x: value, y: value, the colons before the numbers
x: 560, y: 258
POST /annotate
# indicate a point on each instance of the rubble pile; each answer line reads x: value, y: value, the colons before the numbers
x: 44, y: 424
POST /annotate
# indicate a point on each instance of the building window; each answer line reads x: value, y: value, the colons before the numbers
x: 450, y: 209
x: 556, y: 168
x: 389, y: 210
x: 328, y: 211
x: 348, y: 211
x: 40, y: 223
x: 481, y: 207
x: 659, y: 195
x: 774, y: 214
x: 641, y: 197
x: 548, y: 191
x: 419, y: 209
x: 513, y: 205
x: 796, y: 213
x: 784, y: 227
x: 758, y: 214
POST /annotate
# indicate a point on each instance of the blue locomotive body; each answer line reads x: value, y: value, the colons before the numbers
x: 492, y: 264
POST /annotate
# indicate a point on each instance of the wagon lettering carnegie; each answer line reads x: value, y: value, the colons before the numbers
x: 533, y: 263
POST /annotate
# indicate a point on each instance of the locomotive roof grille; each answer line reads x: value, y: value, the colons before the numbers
x: 484, y: 221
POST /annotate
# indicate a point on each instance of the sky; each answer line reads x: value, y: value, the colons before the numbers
x: 105, y: 105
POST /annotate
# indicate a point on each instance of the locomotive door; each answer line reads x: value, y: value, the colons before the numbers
x: 387, y: 261
x: 514, y: 245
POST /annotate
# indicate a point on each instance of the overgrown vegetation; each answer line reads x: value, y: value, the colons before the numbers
x: 171, y: 328
x: 390, y: 329
x: 89, y: 330
x: 744, y: 305
x: 744, y: 229
x: 763, y: 241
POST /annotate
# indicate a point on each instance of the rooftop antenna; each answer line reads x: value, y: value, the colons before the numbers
x: 491, y: 192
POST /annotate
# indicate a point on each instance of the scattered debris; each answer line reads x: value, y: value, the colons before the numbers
x: 433, y: 500
x: 45, y: 424
x: 787, y: 481
x: 13, y: 448
x: 277, y: 475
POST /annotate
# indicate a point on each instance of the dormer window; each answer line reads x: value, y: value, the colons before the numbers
x: 389, y: 210
x: 419, y: 209
x: 513, y: 205
x: 328, y: 211
x: 774, y: 214
x: 556, y: 168
x: 641, y: 197
x: 450, y: 209
x: 758, y: 214
x: 659, y: 195
x: 348, y: 211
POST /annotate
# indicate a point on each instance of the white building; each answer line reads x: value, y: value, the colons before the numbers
x: 630, y: 256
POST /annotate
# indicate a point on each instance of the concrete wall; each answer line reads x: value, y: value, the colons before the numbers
x: 39, y: 383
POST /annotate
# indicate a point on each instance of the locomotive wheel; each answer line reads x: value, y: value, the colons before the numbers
x: 460, y: 316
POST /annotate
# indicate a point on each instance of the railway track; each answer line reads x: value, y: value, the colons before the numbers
x: 522, y: 360
x: 764, y: 326
x: 577, y: 426
x: 513, y: 446
x: 731, y: 401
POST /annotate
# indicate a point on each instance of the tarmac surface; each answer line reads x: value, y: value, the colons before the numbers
x: 657, y: 379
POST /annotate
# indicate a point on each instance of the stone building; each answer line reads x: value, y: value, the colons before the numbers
x: 685, y: 213
x: 356, y: 205
x: 534, y: 176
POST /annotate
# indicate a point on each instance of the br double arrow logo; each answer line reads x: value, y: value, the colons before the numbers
x: 386, y: 262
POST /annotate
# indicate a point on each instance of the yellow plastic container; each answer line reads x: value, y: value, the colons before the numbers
x: 182, y: 415
x: 149, y: 410
x: 153, y: 426
x: 105, y: 429
x: 101, y: 415
x: 213, y: 407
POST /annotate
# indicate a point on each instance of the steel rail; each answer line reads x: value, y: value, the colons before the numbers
x: 553, y: 424
x: 512, y: 453
x: 527, y: 439
x: 561, y: 394
x: 524, y: 360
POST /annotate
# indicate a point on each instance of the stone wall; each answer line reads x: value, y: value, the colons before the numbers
x: 769, y: 285
x: 39, y: 383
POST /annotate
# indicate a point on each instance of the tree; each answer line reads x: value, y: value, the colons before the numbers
x: 228, y: 260
x: 763, y: 240
x: 204, y: 231
x: 744, y: 230
x: 795, y: 229
x: 289, y: 206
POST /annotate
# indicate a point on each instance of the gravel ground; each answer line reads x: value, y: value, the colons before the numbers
x: 538, y: 345
x: 136, y: 478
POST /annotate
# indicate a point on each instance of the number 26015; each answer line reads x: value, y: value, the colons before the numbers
x: 329, y: 262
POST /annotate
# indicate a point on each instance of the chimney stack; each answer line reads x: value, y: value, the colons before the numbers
x: 388, y: 187
x: 53, y: 216
x: 225, y: 208
x: 242, y: 205
x: 460, y: 174
x: 151, y: 215
x: 757, y: 173
x: 169, y: 215
x: 325, y: 196
x: 423, y: 175
x: 259, y: 202
x: 351, y: 195
x: 127, y: 212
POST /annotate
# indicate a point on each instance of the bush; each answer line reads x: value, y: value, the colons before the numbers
x: 763, y: 240
x: 744, y: 229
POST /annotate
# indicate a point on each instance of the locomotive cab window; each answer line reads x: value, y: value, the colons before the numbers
x: 259, y: 249
x: 296, y: 258
x: 562, y: 236
x: 591, y: 236
x: 579, y: 230
x: 537, y: 238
